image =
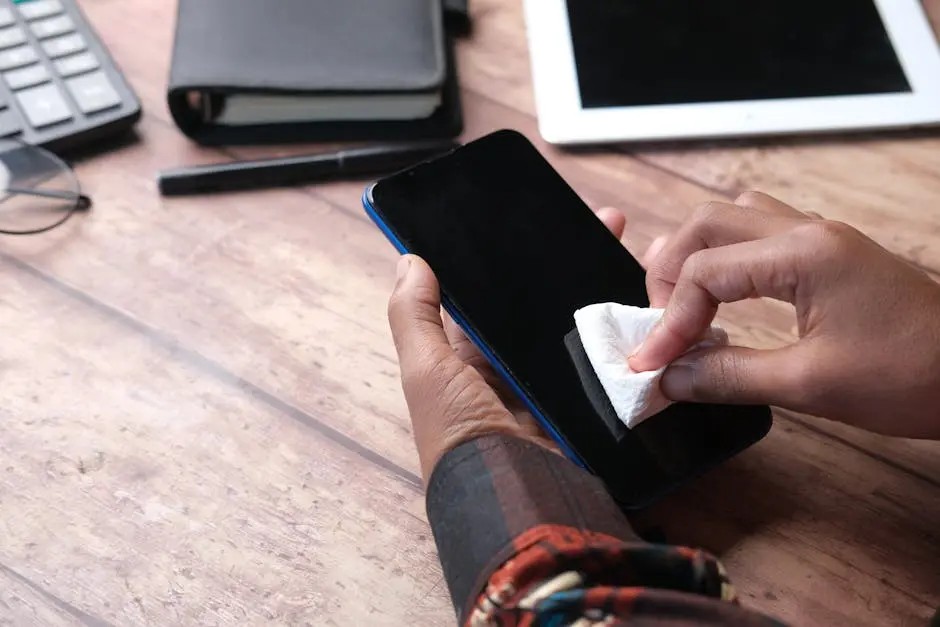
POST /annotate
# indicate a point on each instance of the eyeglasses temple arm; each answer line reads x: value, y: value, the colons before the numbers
x: 82, y: 202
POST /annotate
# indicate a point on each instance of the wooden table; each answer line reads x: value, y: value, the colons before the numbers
x: 202, y: 421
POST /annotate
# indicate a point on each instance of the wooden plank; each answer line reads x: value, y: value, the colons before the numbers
x: 829, y: 515
x: 141, y: 489
x: 885, y: 187
x: 24, y: 602
x: 284, y: 290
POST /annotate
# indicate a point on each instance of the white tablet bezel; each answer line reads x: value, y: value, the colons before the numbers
x: 563, y: 121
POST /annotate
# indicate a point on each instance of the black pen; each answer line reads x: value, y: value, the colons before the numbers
x: 344, y: 164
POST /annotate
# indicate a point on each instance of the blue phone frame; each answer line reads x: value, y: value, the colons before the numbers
x: 490, y: 356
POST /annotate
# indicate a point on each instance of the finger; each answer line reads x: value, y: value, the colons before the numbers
x: 452, y: 330
x: 414, y: 314
x: 467, y: 351
x: 735, y: 375
x: 655, y: 247
x: 712, y: 225
x: 768, y: 204
x: 470, y: 354
x: 727, y: 274
x: 458, y: 340
x: 613, y: 220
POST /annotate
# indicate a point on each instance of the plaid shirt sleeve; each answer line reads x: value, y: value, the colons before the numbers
x: 526, y: 537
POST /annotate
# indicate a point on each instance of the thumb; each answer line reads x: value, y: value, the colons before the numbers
x: 734, y: 375
x: 414, y: 313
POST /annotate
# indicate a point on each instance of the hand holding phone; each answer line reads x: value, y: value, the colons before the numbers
x: 516, y: 252
x: 427, y: 340
x: 453, y: 395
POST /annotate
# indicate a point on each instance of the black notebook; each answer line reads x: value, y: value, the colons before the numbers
x: 249, y: 71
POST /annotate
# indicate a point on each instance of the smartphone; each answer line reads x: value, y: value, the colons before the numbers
x: 516, y: 252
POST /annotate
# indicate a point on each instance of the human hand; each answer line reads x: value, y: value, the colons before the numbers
x: 453, y: 393
x: 868, y: 352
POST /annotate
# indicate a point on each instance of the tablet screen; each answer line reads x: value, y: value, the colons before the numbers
x: 658, y: 52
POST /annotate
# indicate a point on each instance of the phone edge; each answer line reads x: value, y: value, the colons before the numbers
x: 504, y: 374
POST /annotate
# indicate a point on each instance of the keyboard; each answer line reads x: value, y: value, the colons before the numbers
x: 60, y: 88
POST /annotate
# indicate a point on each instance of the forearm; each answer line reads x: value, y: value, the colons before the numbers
x: 523, y: 532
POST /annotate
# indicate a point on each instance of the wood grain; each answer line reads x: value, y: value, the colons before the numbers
x: 140, y: 487
x: 24, y: 602
x: 203, y: 424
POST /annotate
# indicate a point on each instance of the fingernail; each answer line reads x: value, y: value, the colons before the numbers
x: 639, y: 348
x: 636, y: 351
x: 654, y: 249
x: 402, y: 269
x: 677, y: 382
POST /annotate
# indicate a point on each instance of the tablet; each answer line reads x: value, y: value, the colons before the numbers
x: 624, y: 70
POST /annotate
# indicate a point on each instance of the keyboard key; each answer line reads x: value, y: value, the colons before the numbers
x: 76, y: 64
x: 9, y: 123
x: 61, y: 46
x: 27, y: 76
x: 36, y: 9
x: 17, y: 57
x: 93, y: 92
x: 43, y: 105
x: 6, y: 16
x: 12, y: 36
x: 52, y: 27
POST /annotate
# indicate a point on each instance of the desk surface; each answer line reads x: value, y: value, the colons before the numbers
x: 202, y: 421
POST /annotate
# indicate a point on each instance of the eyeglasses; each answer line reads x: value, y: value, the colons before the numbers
x: 38, y: 191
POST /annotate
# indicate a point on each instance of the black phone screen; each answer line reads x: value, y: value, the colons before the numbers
x: 517, y: 252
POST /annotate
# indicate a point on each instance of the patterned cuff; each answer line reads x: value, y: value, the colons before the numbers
x: 488, y: 492
x: 563, y: 576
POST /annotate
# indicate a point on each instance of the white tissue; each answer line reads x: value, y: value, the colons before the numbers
x: 609, y: 333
